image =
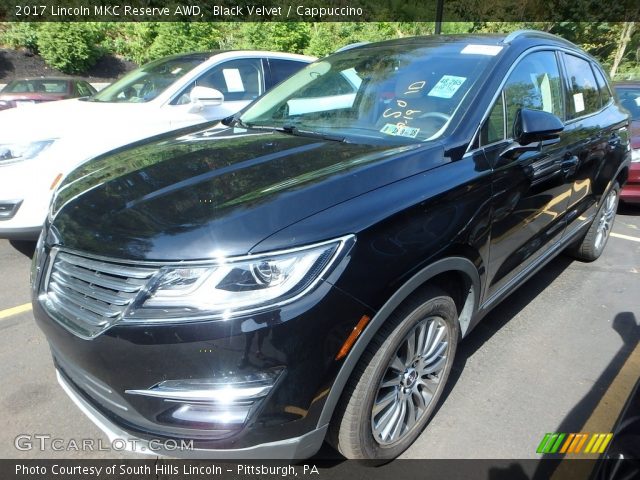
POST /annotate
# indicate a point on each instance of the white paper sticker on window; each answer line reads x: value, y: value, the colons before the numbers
x: 446, y: 87
x: 482, y: 50
x: 400, y: 130
x: 545, y: 91
x: 233, y: 80
x: 578, y: 102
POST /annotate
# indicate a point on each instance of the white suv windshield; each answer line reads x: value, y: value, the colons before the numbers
x: 147, y: 82
x: 400, y: 93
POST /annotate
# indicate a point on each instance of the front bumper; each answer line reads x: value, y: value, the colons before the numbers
x: 25, y: 193
x: 300, y: 340
x: 291, y: 448
x: 26, y: 233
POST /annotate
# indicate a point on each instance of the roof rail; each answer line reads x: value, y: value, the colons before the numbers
x: 519, y: 33
x: 350, y: 46
x: 538, y: 33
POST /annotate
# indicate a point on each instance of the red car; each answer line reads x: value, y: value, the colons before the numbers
x: 629, y: 93
x: 27, y: 91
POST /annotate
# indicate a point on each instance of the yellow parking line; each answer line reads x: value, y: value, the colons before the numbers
x: 604, y: 416
x: 15, y: 310
x: 625, y: 237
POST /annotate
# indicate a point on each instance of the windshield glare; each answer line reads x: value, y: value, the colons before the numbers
x: 400, y: 93
x: 147, y: 82
x: 630, y: 99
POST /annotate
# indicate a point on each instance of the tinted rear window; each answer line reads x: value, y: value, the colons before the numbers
x: 584, y: 96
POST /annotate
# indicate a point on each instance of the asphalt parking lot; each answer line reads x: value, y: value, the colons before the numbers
x: 559, y: 355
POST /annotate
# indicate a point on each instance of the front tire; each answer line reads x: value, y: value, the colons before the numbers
x: 593, y: 243
x: 397, y: 383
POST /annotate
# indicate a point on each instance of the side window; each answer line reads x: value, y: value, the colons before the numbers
x: 603, y: 86
x: 236, y: 79
x: 493, y: 128
x: 83, y: 91
x: 283, y: 69
x: 584, y: 97
x: 335, y: 83
x: 535, y: 84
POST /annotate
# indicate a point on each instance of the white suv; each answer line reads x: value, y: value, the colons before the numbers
x: 40, y: 144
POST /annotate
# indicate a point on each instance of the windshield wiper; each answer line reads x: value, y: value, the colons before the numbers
x: 237, y: 122
x: 293, y: 130
x: 290, y: 129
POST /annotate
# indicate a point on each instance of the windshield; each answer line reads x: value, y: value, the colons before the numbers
x: 630, y: 99
x: 148, y: 81
x: 397, y: 93
x: 37, y: 86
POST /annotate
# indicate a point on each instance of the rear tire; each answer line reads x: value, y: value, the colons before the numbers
x: 593, y: 243
x: 403, y: 372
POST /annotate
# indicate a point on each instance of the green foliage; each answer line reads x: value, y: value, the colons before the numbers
x: 130, y: 40
x: 178, y: 37
x: 279, y: 36
x: 327, y: 37
x: 74, y: 47
x: 21, y: 35
x: 630, y: 70
x: 598, y: 39
x: 70, y: 47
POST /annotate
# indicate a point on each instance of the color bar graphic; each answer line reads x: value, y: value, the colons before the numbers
x: 573, y: 443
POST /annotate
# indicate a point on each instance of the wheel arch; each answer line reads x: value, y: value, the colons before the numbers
x: 452, y: 273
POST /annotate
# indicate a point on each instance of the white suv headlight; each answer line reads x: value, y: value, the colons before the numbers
x: 230, y: 287
x: 17, y: 152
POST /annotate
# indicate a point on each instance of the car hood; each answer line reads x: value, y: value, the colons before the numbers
x: 74, y: 116
x: 217, y: 192
x: 32, y: 96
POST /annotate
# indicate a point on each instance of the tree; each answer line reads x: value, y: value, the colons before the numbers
x: 625, y: 38
x: 70, y: 47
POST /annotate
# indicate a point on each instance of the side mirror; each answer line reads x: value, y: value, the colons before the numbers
x: 531, y: 128
x: 536, y: 126
x: 202, y: 97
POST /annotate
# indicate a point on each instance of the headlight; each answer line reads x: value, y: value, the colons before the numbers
x: 17, y: 152
x: 635, y: 155
x: 230, y: 287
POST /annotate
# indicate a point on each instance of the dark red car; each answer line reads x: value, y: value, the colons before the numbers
x: 27, y: 91
x: 629, y: 93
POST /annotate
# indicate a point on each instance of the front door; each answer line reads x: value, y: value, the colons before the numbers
x: 530, y: 190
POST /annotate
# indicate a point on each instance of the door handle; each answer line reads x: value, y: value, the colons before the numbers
x: 569, y: 164
x: 614, y: 140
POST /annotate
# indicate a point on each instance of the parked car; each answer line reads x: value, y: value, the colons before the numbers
x: 296, y: 277
x: 167, y: 94
x: 29, y: 91
x: 621, y: 459
x: 629, y: 93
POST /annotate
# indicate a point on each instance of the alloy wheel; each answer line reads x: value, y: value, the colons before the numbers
x: 606, y: 219
x: 412, y: 379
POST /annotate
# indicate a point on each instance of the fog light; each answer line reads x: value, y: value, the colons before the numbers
x: 224, y: 417
x: 222, y: 402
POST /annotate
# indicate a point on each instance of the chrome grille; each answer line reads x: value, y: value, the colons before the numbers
x: 87, y: 295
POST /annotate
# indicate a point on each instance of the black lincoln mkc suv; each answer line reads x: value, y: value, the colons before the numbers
x: 304, y: 270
